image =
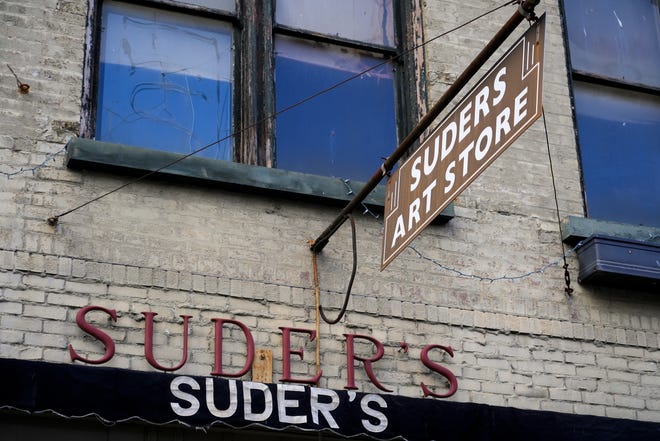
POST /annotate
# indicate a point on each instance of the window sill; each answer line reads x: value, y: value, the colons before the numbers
x: 615, y: 254
x: 96, y: 155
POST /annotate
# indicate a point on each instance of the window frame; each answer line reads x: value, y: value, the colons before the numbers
x: 576, y: 75
x: 593, y: 237
x: 255, y: 31
x: 251, y: 171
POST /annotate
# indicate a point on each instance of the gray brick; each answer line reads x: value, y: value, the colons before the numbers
x: 589, y: 409
x: 47, y: 312
x: 20, y: 323
x: 93, y: 289
x: 628, y: 414
x: 591, y: 372
x: 7, y: 259
x: 27, y: 295
x: 146, y: 276
x: 648, y: 415
x: 565, y: 395
x: 557, y: 406
x: 581, y: 359
x: 122, y: 291
x: 67, y: 300
x: 628, y: 401
x: 64, y: 266
x: 132, y: 275
x: 598, y: 398
x: 11, y: 279
x: 198, y: 283
x: 49, y: 283
x: 11, y: 307
x: 644, y: 366
x: 78, y: 268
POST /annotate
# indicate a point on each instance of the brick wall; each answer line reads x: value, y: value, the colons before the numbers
x: 180, y: 249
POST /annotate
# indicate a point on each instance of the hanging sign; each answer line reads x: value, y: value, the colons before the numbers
x: 492, y: 115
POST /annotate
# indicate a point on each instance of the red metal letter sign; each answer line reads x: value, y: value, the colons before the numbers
x: 149, y: 342
x: 286, y: 356
x: 449, y: 375
x: 95, y: 332
x: 350, y: 356
x: 217, y: 370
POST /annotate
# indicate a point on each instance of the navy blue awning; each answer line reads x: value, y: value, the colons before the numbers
x: 119, y: 395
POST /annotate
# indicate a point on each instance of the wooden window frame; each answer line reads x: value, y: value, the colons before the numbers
x: 254, y: 34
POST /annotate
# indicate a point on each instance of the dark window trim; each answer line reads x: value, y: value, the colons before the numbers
x: 186, y: 8
x: 589, y: 77
x: 344, y: 42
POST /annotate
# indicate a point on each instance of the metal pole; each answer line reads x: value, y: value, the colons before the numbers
x: 525, y: 10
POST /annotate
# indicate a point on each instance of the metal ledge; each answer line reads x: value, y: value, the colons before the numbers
x: 575, y: 229
x: 96, y: 155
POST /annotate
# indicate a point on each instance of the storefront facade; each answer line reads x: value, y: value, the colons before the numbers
x: 186, y: 303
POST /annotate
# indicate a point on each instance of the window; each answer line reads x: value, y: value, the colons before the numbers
x: 165, y: 81
x: 347, y: 132
x: 179, y: 75
x: 615, y: 66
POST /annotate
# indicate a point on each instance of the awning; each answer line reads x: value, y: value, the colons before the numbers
x: 118, y: 395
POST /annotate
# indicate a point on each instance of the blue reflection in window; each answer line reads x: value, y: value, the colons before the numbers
x: 615, y: 39
x: 164, y: 81
x: 619, y: 134
x: 344, y: 133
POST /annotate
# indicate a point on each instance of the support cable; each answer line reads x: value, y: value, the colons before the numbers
x: 54, y: 219
x: 567, y: 275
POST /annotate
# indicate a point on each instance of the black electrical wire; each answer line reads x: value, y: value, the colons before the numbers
x: 347, y: 296
x: 54, y: 219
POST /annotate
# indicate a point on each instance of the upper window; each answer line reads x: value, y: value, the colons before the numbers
x: 615, y: 61
x: 345, y: 132
x: 185, y: 74
x: 165, y: 81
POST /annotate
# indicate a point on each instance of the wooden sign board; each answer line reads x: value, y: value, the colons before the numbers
x: 492, y: 115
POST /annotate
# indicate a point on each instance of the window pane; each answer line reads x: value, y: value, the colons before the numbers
x: 165, y: 81
x: 343, y: 133
x: 616, y: 39
x: 620, y: 146
x: 369, y: 21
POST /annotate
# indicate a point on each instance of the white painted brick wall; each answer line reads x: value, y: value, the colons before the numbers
x: 180, y: 249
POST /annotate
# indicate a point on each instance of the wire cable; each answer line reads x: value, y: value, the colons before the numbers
x: 347, y: 296
x: 567, y: 275
x: 54, y: 219
x: 34, y: 169
x: 463, y: 274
